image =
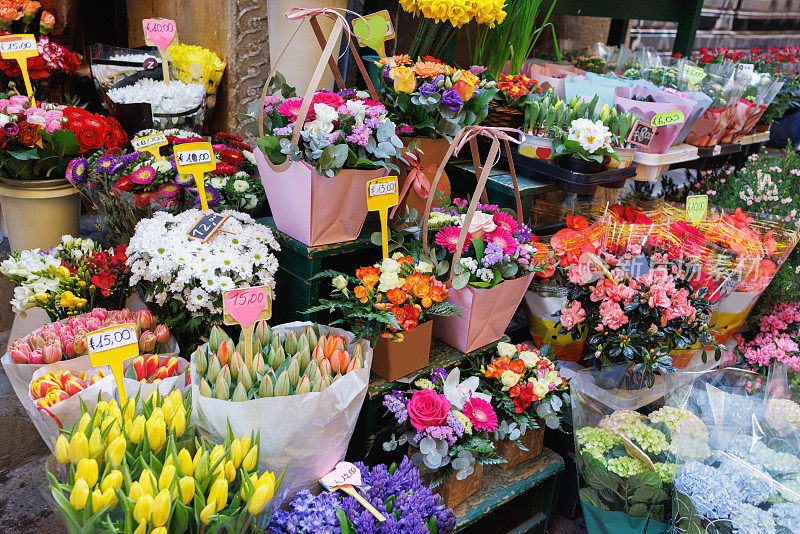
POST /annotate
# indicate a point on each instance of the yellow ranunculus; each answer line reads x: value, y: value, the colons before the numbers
x: 404, y: 79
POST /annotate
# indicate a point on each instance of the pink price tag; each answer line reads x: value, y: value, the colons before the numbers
x: 344, y: 474
x: 245, y: 305
x: 160, y: 31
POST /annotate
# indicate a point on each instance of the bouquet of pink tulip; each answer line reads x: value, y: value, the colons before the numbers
x: 56, y: 341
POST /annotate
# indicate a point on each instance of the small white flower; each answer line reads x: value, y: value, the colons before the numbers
x: 240, y: 186
x: 506, y: 349
x: 218, y: 182
x: 509, y: 378
x: 424, y: 267
x: 249, y: 156
x: 162, y: 166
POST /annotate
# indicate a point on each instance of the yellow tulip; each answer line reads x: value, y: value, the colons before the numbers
x: 109, y: 497
x: 207, y: 512
x: 178, y: 422
x: 249, y: 462
x: 113, y: 432
x: 258, y: 500
x: 161, y: 508
x: 148, y: 482
x: 404, y: 79
x: 156, y: 414
x: 167, y: 477
x: 230, y: 471
x: 78, y: 447
x: 79, y: 494
x: 267, y: 477
x: 97, y: 501
x: 254, y: 480
x: 201, y: 465
x: 136, y: 492
x: 216, y: 453
x: 187, y: 489
x: 84, y: 422
x: 236, y: 453
x: 159, y: 530
x: 175, y: 400
x: 130, y: 410
x: 116, y: 450
x: 137, y: 429
x: 112, y: 480
x: 141, y: 529
x: 143, y: 509
x: 156, y: 433
x: 167, y: 410
x: 219, y: 493
x: 95, y: 443
x: 87, y: 470
x: 185, y: 461
x: 116, y: 413
x: 62, y: 449
x: 245, y: 441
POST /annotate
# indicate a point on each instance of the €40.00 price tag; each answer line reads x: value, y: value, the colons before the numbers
x: 111, y: 346
x: 696, y: 207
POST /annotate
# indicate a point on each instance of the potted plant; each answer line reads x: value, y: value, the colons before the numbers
x: 508, y: 107
x: 391, y: 304
x: 527, y: 394
x: 544, y: 114
x: 38, y: 143
x: 620, y: 126
x: 447, y: 427
x: 584, y: 147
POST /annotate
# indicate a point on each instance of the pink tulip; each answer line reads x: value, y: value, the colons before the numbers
x: 51, y: 352
x: 36, y: 357
x: 100, y: 313
x: 93, y: 324
x: 17, y: 356
x: 162, y: 333
x: 74, y: 385
x: 79, y: 345
x: 22, y: 347
x: 147, y: 341
x: 36, y: 341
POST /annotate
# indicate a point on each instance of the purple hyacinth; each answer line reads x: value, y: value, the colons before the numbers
x: 523, y: 235
x: 438, y: 375
x: 307, y: 513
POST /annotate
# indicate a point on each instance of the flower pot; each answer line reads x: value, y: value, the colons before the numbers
x: 315, y: 210
x: 625, y: 156
x: 395, y: 359
x: 681, y: 358
x: 532, y: 440
x: 305, y: 47
x: 541, y: 304
x: 453, y: 490
x: 38, y: 212
x: 536, y: 146
x: 503, y: 117
x: 431, y: 153
x: 571, y: 163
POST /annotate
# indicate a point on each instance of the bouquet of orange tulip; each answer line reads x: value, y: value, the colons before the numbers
x: 53, y: 387
x: 133, y: 473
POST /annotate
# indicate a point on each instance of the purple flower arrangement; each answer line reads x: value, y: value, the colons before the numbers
x: 396, y: 492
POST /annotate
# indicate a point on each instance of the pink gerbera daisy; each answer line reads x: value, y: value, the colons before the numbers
x: 505, y: 221
x: 291, y: 108
x: 143, y: 175
x: 481, y: 414
x: 504, y: 239
x: 448, y: 238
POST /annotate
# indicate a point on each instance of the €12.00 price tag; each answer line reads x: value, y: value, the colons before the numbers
x: 206, y: 226
x: 150, y: 143
x: 111, y: 346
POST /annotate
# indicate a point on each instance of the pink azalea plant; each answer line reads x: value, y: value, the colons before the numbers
x: 776, y: 339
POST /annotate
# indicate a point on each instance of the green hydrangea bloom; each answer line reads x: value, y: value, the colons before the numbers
x: 649, y: 439
x: 596, y: 441
x: 626, y: 466
x: 666, y: 471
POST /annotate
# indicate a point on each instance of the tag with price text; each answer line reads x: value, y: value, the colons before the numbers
x: 343, y: 474
x: 194, y: 158
x: 150, y: 143
x: 382, y: 193
x: 18, y: 46
x: 111, y: 346
x: 696, y: 207
x: 160, y: 33
x: 246, y: 306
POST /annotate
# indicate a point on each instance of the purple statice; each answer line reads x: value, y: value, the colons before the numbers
x: 345, y: 93
x: 307, y: 513
x: 456, y: 424
x: 442, y: 432
x: 283, y: 130
x: 396, y: 402
x: 386, y: 78
x: 523, y: 235
x: 439, y: 374
x: 372, y: 122
x: 492, y: 255
x: 452, y: 100
x: 360, y: 135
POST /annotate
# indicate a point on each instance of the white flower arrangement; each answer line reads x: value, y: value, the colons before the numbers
x: 586, y: 139
x: 186, y: 278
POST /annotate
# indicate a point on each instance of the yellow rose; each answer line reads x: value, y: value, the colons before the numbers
x: 465, y: 85
x: 506, y: 349
x: 509, y: 378
x: 539, y: 389
x: 529, y: 357
x: 404, y: 79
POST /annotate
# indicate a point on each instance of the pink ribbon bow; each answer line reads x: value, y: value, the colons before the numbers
x: 492, y: 132
x: 419, y: 180
x: 297, y: 13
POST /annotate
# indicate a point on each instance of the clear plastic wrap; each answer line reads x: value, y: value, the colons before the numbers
x: 720, y: 85
x: 112, y: 64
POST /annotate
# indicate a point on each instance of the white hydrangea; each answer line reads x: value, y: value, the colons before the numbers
x: 194, y: 273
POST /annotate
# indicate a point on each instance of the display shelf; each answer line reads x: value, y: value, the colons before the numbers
x: 529, y: 487
x: 650, y: 166
x: 718, y: 150
x: 753, y: 138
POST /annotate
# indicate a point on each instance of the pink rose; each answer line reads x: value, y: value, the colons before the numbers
x: 34, y: 111
x: 53, y: 114
x: 427, y: 408
x: 13, y: 109
x: 19, y: 100
x: 481, y: 223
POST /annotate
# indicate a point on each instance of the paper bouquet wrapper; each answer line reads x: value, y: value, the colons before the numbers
x: 586, y: 87
x: 731, y: 313
x: 165, y: 386
x: 702, y: 102
x: 741, y: 114
x: 64, y: 414
x: 541, y: 304
x: 307, y: 434
x: 314, y: 209
x: 708, y: 129
x: 550, y: 75
x: 485, y: 314
x: 664, y: 103
x: 752, y: 121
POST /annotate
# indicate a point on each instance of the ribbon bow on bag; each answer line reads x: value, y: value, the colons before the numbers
x: 300, y: 13
x: 418, y: 179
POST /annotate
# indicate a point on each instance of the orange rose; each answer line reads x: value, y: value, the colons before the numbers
x: 466, y: 85
x: 29, y: 133
x: 368, y: 276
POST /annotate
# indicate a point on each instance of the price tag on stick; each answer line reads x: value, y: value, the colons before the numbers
x: 111, y: 346
x: 151, y: 144
x: 344, y: 476
x: 696, y: 207
x: 196, y: 159
x: 20, y: 47
x: 206, y: 226
x: 161, y: 33
x: 244, y: 307
x: 374, y: 30
x: 382, y: 194
x: 642, y: 134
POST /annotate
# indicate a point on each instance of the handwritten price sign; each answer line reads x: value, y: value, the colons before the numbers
x: 196, y: 159
x: 642, y: 134
x: 206, y: 226
x: 150, y: 143
x: 20, y: 47
x: 381, y: 195
x: 666, y: 119
x: 244, y: 307
x: 696, y: 207
x: 161, y: 33
x: 112, y: 346
x: 694, y: 75
x: 343, y: 477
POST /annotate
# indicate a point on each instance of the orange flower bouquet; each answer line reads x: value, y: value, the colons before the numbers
x: 388, y: 299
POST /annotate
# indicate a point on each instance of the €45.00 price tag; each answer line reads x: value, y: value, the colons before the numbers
x: 111, y: 346
x: 150, y: 143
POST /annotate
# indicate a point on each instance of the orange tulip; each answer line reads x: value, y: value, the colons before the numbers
x: 340, y: 359
x: 335, y: 342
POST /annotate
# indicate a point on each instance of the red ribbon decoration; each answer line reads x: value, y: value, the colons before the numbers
x: 418, y: 179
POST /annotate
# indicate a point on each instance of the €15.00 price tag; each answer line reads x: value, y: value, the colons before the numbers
x: 343, y: 477
x: 382, y: 194
x: 111, y: 346
x: 247, y: 305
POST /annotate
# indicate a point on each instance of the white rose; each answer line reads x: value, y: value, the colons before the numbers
x: 325, y: 113
x: 529, y: 357
x: 424, y: 267
x: 318, y: 126
x: 340, y: 282
x: 539, y: 389
x: 509, y: 378
x: 481, y: 223
x: 506, y: 349
x: 388, y: 281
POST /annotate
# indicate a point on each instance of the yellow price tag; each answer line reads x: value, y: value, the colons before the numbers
x: 694, y: 75
x: 111, y: 346
x: 196, y: 159
x: 696, y: 207
x: 374, y: 30
x: 665, y: 119
x: 382, y: 194
x: 151, y: 144
x: 20, y: 47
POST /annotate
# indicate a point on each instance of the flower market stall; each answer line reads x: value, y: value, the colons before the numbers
x: 451, y: 287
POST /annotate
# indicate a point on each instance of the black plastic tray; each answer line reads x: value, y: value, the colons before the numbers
x: 718, y: 150
x: 569, y: 181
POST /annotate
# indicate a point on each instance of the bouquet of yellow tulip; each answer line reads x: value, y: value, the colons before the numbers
x: 135, y: 473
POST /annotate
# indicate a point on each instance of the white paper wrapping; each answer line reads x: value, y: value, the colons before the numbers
x: 307, y: 434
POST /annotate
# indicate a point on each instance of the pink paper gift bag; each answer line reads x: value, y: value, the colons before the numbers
x: 486, y: 314
x: 710, y: 127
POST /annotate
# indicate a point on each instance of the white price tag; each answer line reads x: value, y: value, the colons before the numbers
x: 111, y: 338
x: 140, y: 143
x: 382, y: 188
x: 194, y: 157
x: 24, y: 43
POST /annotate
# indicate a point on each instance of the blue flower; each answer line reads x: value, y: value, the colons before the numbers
x: 752, y: 520
x: 712, y: 493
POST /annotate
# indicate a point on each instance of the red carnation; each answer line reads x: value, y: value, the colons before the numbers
x: 224, y: 168
x: 229, y: 137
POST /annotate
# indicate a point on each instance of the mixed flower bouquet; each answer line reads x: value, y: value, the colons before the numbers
x: 185, y: 279
x: 432, y: 99
x: 310, y: 361
x: 73, y: 277
x: 446, y: 423
x: 40, y: 142
x: 525, y: 386
x: 387, y: 299
x: 133, y: 464
x: 397, y: 492
x: 343, y: 130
